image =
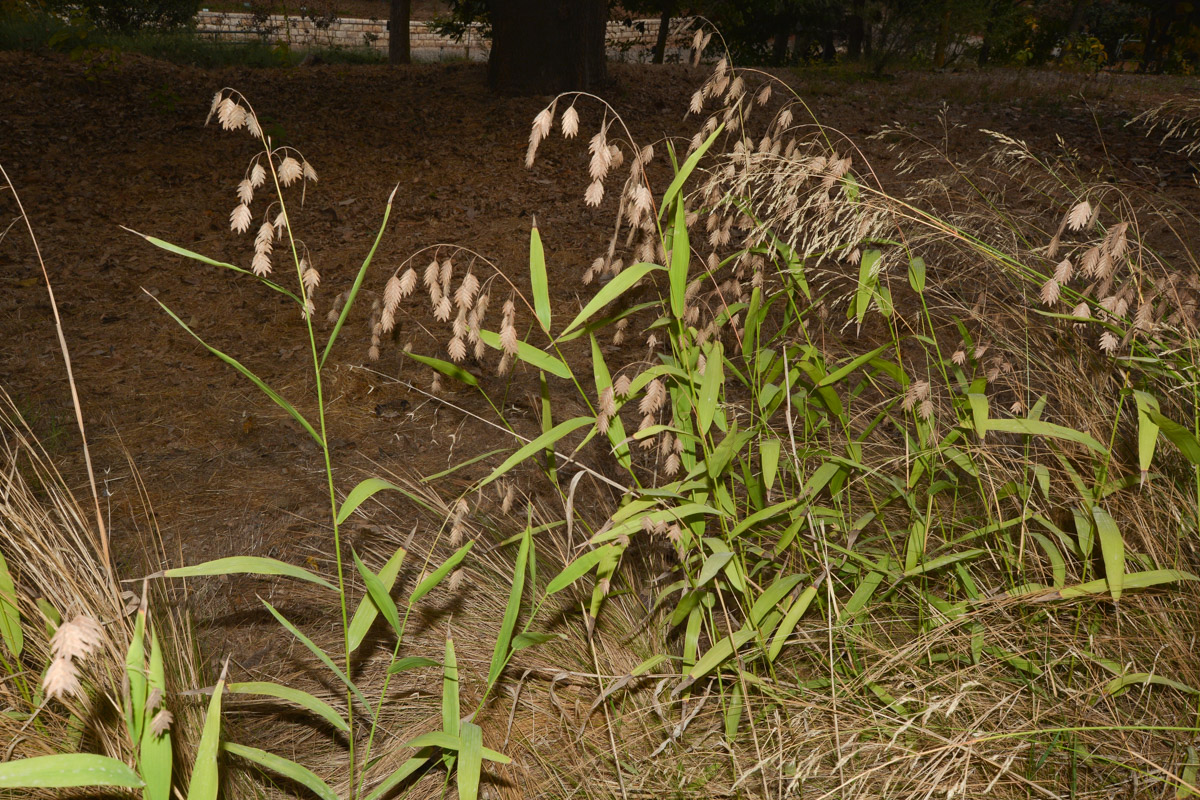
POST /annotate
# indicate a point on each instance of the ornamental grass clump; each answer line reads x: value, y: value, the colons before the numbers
x: 900, y: 539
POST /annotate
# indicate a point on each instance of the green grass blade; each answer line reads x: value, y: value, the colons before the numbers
x: 1112, y: 548
x: 135, y: 675
x: 403, y: 773
x: 257, y: 381
x: 446, y: 368
x: 379, y: 594
x: 182, y: 251
x: 470, y: 759
x: 10, y: 613
x: 768, y: 456
x: 1178, y: 435
x: 770, y: 599
x: 1147, y: 430
x: 685, y: 171
x: 365, y: 615
x: 717, y: 655
x: 844, y: 370
x: 533, y: 356
x: 681, y: 256
x: 1134, y: 580
x: 531, y: 639
x: 1118, y: 685
x: 616, y: 429
x: 790, y: 620
x: 321, y: 655
x: 411, y: 662
x: 537, y: 279
x: 358, y: 280
x: 543, y: 442
x: 609, y: 292
x: 916, y: 274
x: 285, y: 767
x: 67, y: 770
x: 862, y: 594
x: 867, y: 281
x: 710, y: 387
x: 156, y: 751
x: 1048, y: 430
x: 450, y: 706
x: 578, y: 568
x: 511, y: 611
x: 368, y: 489
x: 292, y: 695
x: 435, y: 577
x: 206, y: 779
x: 245, y: 565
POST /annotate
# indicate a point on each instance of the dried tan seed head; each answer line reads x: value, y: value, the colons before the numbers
x: 252, y: 126
x: 1078, y: 216
x: 261, y: 265
x: 239, y: 218
x: 230, y: 115
x: 61, y: 679
x: 570, y: 123
x: 393, y: 292
x: 601, y: 158
x: 594, y: 193
x: 311, y: 278
x: 245, y: 191
x: 309, y: 173
x: 161, y: 722
x: 290, y: 171
x: 653, y: 399
x: 621, y: 385
x: 1064, y: 271
x: 1050, y: 292
x: 467, y: 290
x: 78, y: 638
x: 408, y: 282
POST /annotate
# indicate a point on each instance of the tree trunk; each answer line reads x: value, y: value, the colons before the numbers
x: 399, y: 15
x: 943, y: 40
x: 547, y: 46
x: 785, y: 26
x: 664, y: 27
x: 1076, y: 21
x: 855, y: 27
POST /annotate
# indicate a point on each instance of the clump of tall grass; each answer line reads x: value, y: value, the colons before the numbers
x: 905, y: 543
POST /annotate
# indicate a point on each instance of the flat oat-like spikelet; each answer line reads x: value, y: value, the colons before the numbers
x: 290, y: 171
x: 570, y: 123
x: 1078, y: 216
x: 78, y: 638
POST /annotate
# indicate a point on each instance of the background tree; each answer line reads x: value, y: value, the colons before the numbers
x: 399, y: 15
x: 547, y: 46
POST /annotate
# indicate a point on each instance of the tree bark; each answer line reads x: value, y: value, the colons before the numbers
x: 855, y: 27
x: 664, y: 27
x: 547, y: 46
x: 943, y: 40
x: 1076, y: 20
x: 399, y: 14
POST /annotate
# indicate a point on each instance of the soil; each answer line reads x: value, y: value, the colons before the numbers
x: 224, y: 470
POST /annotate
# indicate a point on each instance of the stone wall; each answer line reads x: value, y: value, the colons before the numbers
x: 632, y: 41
